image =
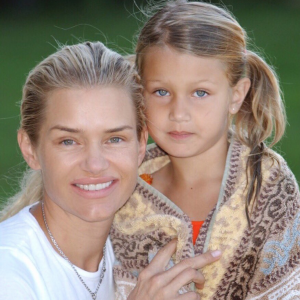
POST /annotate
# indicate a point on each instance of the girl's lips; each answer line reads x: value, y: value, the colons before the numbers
x: 180, y: 135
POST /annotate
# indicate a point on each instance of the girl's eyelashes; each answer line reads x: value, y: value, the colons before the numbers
x: 200, y: 93
x: 162, y: 93
x: 197, y: 93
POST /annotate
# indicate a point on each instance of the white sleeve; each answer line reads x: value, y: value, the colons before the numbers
x: 14, y: 288
x: 13, y: 282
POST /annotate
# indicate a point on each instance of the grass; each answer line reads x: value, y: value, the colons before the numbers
x: 27, y: 39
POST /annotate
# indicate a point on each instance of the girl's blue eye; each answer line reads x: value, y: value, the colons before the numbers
x: 162, y: 93
x: 115, y: 140
x: 68, y: 142
x: 200, y: 93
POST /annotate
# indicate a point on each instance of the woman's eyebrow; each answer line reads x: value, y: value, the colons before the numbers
x: 117, y: 129
x: 75, y: 130
x: 64, y: 128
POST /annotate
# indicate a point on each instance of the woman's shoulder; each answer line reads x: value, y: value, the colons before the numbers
x: 17, y: 230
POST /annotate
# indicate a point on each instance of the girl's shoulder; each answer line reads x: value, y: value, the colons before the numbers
x: 278, y: 179
x: 155, y: 159
x: 276, y: 165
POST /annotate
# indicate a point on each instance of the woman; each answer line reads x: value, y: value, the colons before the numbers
x: 82, y: 134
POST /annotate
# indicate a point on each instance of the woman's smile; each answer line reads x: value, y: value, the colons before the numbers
x: 95, y: 191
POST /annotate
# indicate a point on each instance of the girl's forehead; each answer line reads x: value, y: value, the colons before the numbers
x: 167, y: 61
x: 166, y: 50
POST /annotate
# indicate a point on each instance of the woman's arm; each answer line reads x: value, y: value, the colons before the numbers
x: 156, y: 283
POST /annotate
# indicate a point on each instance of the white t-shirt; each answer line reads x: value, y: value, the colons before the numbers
x: 31, y: 269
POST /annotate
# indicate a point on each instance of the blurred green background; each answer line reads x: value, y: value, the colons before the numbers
x: 31, y: 29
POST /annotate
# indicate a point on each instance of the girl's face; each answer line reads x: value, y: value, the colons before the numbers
x: 188, y: 100
x: 88, y: 151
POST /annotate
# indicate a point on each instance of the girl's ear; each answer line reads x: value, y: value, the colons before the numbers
x: 240, y: 91
x: 28, y: 150
x: 142, y: 145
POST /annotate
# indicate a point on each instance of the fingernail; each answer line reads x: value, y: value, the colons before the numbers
x: 216, y: 253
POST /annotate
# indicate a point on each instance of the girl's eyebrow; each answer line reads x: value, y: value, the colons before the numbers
x: 195, y: 82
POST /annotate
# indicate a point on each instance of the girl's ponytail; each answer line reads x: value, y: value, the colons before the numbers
x: 31, y: 192
x: 262, y: 114
x: 261, y: 117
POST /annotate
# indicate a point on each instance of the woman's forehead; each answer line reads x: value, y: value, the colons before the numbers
x: 90, y: 107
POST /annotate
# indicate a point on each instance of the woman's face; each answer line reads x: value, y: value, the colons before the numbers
x: 88, y: 151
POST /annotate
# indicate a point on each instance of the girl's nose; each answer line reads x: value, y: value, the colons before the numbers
x: 179, y: 111
x: 95, y: 161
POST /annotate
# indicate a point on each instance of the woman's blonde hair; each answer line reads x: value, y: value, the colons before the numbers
x: 206, y: 30
x: 85, y: 65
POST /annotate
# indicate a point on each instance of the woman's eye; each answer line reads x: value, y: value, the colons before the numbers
x: 115, y: 140
x: 200, y: 93
x: 68, y: 142
x: 162, y: 93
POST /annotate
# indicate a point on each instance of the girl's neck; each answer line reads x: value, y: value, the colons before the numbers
x: 193, y: 183
x: 82, y: 242
x: 203, y: 167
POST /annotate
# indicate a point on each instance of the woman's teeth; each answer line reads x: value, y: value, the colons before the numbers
x: 94, y: 187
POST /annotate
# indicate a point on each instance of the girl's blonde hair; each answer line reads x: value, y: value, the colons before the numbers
x: 206, y: 30
x: 85, y: 65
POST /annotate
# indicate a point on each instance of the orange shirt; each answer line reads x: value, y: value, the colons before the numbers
x: 196, y: 224
x: 196, y: 229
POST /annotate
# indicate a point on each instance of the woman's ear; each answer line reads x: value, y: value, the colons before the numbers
x: 28, y: 150
x: 142, y: 145
x: 240, y: 91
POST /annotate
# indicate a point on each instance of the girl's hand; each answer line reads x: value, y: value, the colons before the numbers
x: 155, y: 283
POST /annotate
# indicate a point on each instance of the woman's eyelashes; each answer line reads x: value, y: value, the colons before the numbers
x: 115, y: 140
x: 68, y: 142
x: 111, y: 140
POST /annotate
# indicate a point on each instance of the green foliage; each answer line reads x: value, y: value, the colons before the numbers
x: 30, y: 35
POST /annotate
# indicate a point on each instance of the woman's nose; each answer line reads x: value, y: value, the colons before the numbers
x: 96, y: 160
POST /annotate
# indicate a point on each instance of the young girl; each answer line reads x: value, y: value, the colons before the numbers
x: 211, y: 180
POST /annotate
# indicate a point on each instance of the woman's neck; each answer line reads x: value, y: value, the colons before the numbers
x: 82, y: 242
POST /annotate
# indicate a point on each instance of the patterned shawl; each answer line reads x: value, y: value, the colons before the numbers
x: 260, y: 261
